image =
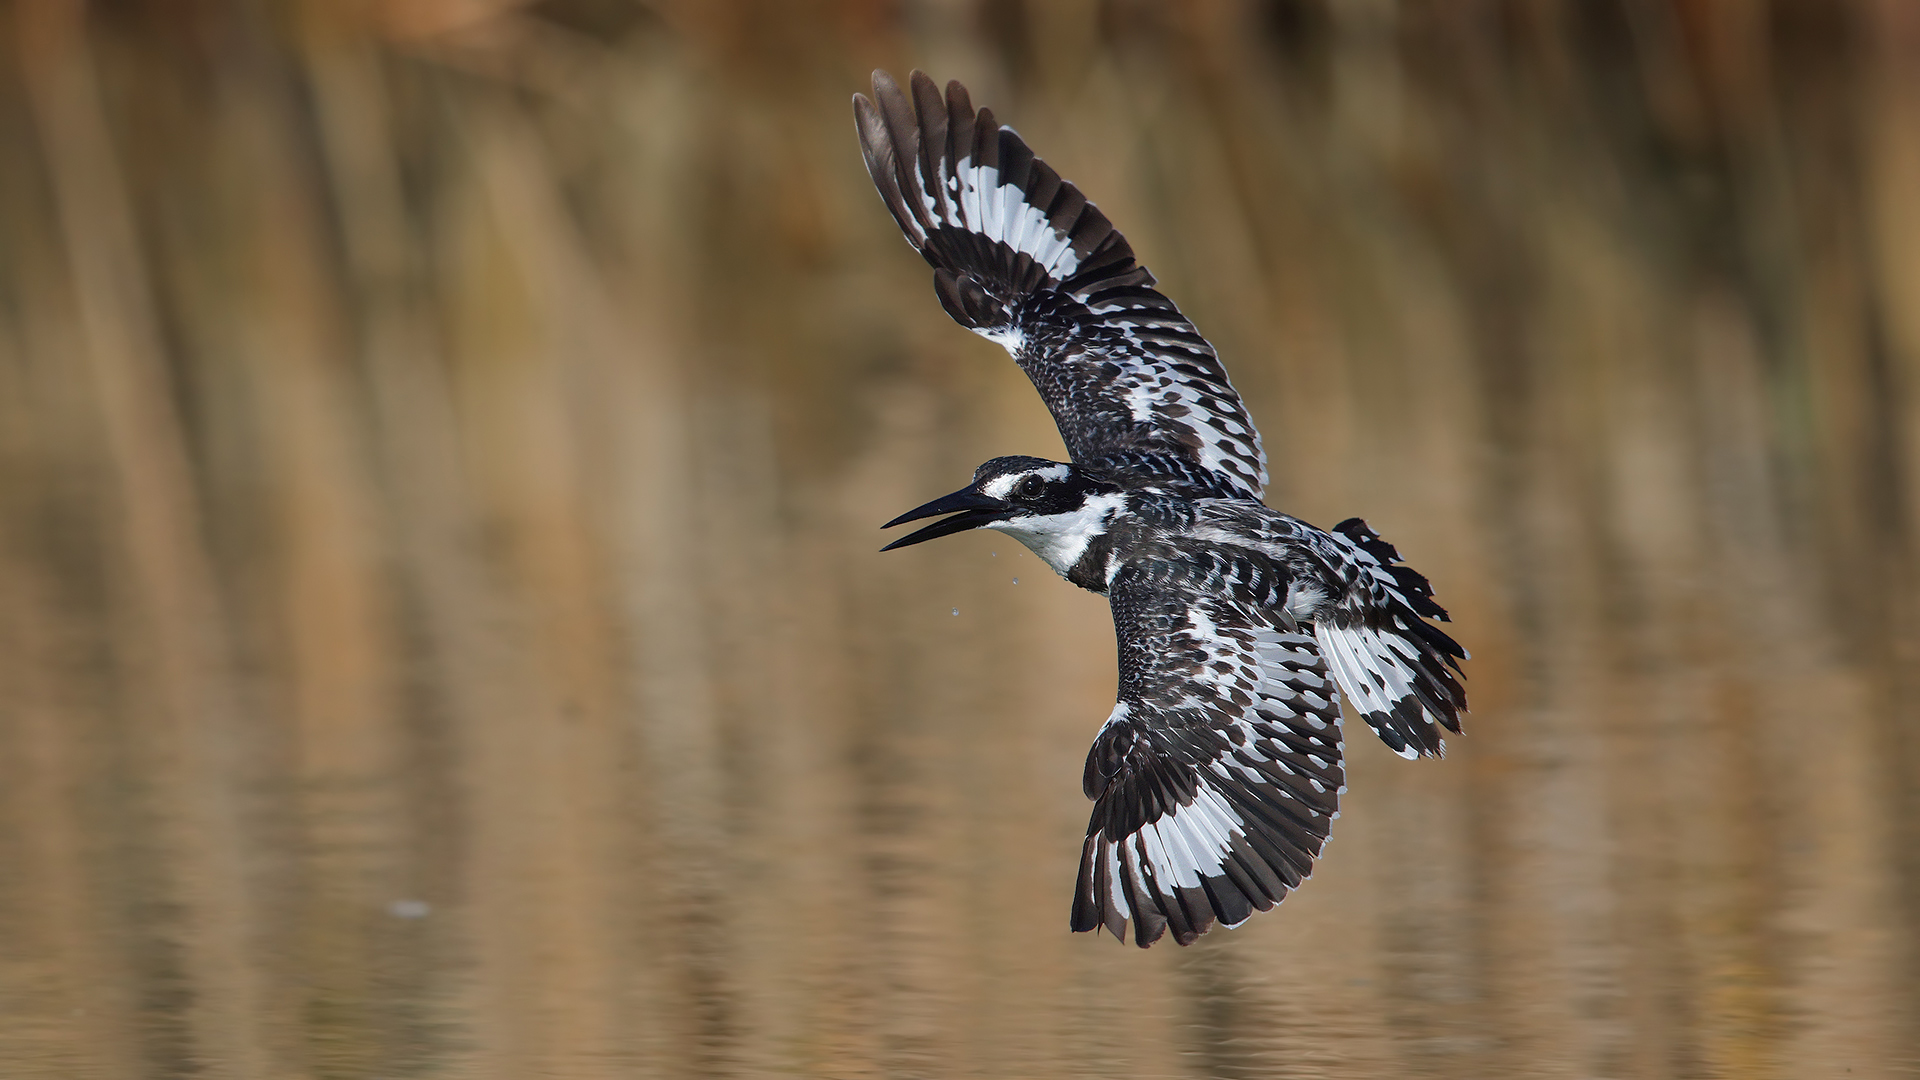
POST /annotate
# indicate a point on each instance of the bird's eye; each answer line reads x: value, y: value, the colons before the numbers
x: 1030, y: 488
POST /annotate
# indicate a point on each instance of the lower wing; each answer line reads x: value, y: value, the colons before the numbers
x: 1217, y: 777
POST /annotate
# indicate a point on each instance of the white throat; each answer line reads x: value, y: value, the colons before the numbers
x: 1060, y: 539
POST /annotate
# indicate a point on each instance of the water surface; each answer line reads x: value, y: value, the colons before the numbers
x: 441, y: 626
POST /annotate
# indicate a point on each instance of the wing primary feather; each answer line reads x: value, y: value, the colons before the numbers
x: 1087, y: 890
x: 1149, y: 922
x: 932, y: 139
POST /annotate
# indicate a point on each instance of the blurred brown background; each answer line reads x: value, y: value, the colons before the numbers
x: 441, y: 632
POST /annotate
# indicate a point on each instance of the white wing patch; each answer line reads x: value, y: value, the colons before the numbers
x: 978, y: 202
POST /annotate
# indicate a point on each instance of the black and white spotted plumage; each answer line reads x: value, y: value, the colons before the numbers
x: 1022, y: 258
x: 1401, y: 668
x: 1218, y: 773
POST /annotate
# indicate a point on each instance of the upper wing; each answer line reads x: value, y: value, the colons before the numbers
x: 1217, y: 776
x: 1021, y: 257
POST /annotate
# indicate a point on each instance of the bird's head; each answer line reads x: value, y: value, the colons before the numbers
x: 1053, y: 508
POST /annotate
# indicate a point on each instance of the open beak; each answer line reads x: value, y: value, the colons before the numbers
x: 969, y: 508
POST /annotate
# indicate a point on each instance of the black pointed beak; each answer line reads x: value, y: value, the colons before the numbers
x: 969, y: 508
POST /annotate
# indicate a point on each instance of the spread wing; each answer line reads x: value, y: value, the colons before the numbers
x: 1217, y: 776
x: 1022, y: 258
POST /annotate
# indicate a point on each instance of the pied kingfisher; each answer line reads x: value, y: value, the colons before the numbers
x: 1216, y: 777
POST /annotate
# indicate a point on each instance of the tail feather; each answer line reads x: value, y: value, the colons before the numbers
x: 1398, y: 670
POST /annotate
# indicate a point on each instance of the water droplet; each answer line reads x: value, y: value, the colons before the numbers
x: 1016, y: 581
x: 956, y: 612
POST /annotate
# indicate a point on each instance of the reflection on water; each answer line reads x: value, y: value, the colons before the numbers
x: 441, y: 626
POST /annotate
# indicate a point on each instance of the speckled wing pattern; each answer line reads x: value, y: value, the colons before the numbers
x: 1022, y: 258
x: 1218, y: 774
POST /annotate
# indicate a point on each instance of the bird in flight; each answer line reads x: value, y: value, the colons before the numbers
x: 1217, y: 775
